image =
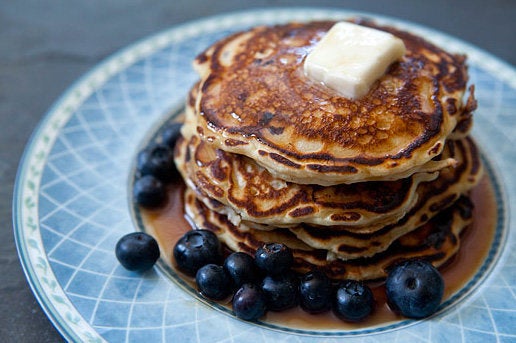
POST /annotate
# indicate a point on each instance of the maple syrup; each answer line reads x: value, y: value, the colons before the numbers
x: 168, y: 224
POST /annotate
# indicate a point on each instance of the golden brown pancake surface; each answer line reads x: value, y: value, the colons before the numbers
x: 254, y: 99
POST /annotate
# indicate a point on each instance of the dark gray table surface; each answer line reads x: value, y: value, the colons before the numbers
x: 47, y: 45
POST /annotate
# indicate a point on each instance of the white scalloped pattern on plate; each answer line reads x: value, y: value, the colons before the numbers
x: 70, y: 202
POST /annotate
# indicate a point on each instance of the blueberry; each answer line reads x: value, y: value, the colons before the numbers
x: 213, y: 282
x: 353, y: 301
x: 241, y: 268
x: 157, y: 160
x: 171, y: 133
x: 315, y: 292
x: 248, y: 302
x: 149, y: 192
x: 414, y: 288
x: 280, y: 291
x: 137, y: 251
x: 195, y: 249
x: 274, y: 258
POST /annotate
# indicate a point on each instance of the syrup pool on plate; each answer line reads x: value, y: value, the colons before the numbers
x: 168, y: 224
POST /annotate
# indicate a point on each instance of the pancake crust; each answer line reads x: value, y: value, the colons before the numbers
x: 254, y: 99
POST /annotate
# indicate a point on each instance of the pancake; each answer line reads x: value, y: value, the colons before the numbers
x: 255, y: 195
x: 434, y: 197
x: 437, y: 241
x: 351, y: 186
x: 254, y: 99
x: 345, y: 242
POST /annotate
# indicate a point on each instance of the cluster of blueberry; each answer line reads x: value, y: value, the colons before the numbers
x: 155, y: 168
x: 266, y: 282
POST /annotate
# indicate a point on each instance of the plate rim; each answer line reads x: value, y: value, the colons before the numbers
x: 60, y: 111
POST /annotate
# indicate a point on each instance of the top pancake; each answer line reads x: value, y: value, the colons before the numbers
x: 254, y: 99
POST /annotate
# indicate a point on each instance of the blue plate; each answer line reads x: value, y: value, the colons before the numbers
x: 71, y: 201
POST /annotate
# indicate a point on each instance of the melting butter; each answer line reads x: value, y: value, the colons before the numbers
x: 350, y: 58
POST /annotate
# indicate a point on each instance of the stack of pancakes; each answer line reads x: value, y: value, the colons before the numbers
x: 351, y: 186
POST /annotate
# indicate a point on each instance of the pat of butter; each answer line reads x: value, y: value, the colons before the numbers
x: 350, y: 58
